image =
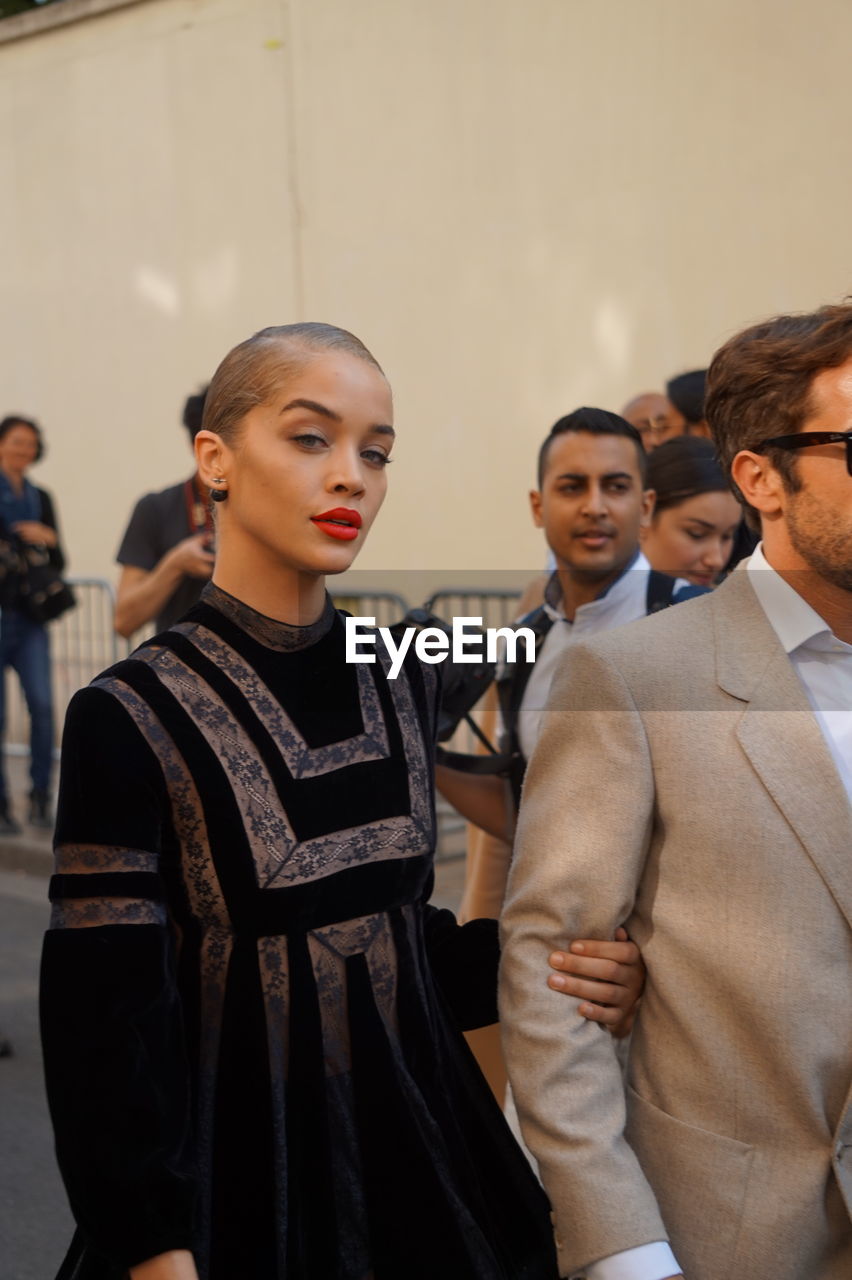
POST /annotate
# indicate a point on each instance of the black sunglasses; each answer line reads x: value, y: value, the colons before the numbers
x: 804, y: 439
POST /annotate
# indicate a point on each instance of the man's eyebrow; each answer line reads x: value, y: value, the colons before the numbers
x: 584, y: 475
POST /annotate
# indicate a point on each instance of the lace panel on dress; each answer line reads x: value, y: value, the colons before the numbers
x: 101, y: 884
x: 286, y: 637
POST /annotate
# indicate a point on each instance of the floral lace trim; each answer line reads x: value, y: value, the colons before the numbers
x: 82, y: 859
x: 187, y: 811
x: 280, y: 858
x: 302, y: 761
x: 90, y: 913
x: 283, y: 636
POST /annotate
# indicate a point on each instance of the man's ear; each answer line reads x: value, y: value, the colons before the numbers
x: 210, y: 457
x: 535, y: 508
x: 758, y: 481
x: 649, y: 499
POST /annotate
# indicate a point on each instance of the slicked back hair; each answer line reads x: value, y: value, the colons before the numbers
x: 594, y: 422
x: 254, y: 370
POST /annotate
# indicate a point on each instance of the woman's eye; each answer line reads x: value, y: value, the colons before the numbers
x: 376, y: 457
x: 309, y: 441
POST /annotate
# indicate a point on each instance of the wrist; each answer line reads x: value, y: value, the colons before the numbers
x: 171, y: 568
x: 176, y: 1264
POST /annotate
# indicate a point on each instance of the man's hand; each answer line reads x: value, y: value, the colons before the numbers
x: 175, y: 1265
x: 607, y: 976
x: 33, y: 531
x: 191, y: 556
x: 142, y: 593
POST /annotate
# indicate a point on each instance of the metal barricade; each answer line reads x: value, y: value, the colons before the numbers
x: 496, y: 608
x: 82, y: 643
x: 385, y: 606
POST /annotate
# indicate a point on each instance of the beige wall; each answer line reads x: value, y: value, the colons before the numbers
x: 520, y: 206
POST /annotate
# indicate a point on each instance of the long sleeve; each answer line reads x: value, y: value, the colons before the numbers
x: 464, y: 959
x: 112, y: 1030
x: 582, y: 841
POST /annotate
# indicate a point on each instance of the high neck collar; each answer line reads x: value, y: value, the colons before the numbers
x: 286, y: 637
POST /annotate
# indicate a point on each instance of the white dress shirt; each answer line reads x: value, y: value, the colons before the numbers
x: 823, y: 663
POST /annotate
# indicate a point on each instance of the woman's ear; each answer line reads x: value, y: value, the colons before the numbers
x: 210, y: 457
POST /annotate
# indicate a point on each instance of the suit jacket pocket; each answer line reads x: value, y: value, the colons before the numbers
x: 700, y: 1180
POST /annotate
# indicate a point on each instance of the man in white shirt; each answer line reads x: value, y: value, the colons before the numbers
x: 591, y: 502
x: 693, y: 779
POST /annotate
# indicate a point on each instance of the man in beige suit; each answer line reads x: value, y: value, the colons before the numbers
x: 693, y: 780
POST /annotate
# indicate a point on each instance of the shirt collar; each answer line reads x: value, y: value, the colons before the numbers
x: 613, y: 594
x: 793, y: 620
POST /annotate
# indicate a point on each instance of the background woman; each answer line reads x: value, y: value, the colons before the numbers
x: 251, y: 1016
x: 28, y: 512
x: 695, y: 516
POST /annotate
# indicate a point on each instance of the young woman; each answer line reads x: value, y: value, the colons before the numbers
x: 695, y: 517
x: 24, y: 644
x: 251, y: 1016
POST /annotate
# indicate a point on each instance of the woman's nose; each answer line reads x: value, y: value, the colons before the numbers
x: 346, y: 474
x: 714, y: 556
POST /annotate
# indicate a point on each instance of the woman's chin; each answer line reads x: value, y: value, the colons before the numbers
x: 334, y: 560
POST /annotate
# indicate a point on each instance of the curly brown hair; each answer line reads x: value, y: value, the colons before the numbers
x: 759, y: 384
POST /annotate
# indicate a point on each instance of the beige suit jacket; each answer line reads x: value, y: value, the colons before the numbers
x: 682, y: 784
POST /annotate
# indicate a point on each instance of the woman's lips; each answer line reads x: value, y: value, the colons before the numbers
x: 341, y: 522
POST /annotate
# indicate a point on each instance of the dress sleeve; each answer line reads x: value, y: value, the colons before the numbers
x: 115, y: 1064
x: 464, y: 959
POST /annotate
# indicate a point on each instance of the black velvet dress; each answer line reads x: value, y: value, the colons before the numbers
x: 251, y: 1017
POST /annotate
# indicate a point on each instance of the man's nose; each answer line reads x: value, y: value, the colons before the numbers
x: 594, y: 499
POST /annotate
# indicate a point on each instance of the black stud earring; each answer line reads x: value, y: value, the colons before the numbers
x: 218, y: 495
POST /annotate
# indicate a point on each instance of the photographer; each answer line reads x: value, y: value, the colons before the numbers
x: 167, y: 548
x: 28, y: 512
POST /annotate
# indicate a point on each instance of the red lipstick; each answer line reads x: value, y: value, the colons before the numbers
x: 340, y: 522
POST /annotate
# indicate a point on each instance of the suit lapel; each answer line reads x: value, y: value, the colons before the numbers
x: 782, y: 737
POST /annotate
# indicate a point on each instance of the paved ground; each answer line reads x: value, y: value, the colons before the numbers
x: 35, y: 1225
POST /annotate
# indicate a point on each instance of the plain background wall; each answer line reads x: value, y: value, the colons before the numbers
x: 520, y: 207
